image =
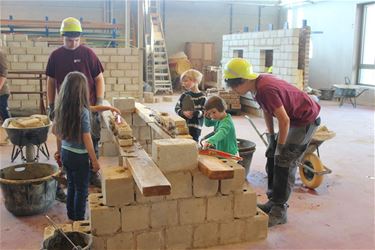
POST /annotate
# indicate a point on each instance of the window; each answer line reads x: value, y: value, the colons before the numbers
x: 238, y: 53
x: 366, y: 69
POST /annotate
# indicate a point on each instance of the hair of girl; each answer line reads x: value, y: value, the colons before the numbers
x: 72, y: 98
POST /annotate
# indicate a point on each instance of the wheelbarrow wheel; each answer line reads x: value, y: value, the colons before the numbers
x: 308, y: 178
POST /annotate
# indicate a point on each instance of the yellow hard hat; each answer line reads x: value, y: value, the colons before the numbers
x: 239, y: 68
x: 71, y: 27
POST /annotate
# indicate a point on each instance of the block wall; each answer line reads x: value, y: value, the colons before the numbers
x: 286, y: 46
x: 123, y: 69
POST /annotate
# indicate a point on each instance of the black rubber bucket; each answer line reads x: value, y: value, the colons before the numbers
x: 58, y: 242
x: 246, y: 149
x: 29, y: 188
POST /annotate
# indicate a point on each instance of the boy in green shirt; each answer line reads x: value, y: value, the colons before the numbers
x: 224, y: 138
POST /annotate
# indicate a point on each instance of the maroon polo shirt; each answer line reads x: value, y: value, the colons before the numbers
x: 273, y: 93
x: 82, y: 59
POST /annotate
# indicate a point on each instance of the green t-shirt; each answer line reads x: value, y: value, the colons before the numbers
x: 225, y: 135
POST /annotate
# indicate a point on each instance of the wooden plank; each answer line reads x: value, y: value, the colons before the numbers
x: 148, y: 177
x: 214, y: 168
x: 159, y: 130
x: 145, y: 113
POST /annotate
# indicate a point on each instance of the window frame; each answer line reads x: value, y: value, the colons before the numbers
x: 360, y: 65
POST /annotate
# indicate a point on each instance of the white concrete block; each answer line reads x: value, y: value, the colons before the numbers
x: 181, y: 183
x: 236, y: 183
x: 192, y: 211
x: 232, y: 232
x: 117, y: 186
x: 150, y: 240
x: 220, y: 208
x: 175, y: 154
x: 104, y: 220
x: 134, y: 218
x: 164, y: 214
x: 206, y: 235
x: 202, y: 186
x: 121, y: 241
x: 245, y: 202
x: 179, y: 237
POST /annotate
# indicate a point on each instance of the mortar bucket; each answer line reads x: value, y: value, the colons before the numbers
x: 28, y: 188
x: 58, y: 242
x: 246, y: 149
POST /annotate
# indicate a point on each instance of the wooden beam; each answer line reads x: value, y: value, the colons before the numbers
x: 148, y: 177
x: 214, y: 168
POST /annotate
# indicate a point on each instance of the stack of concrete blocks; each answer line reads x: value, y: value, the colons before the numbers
x: 123, y: 69
x: 231, y: 98
x: 148, y: 97
x: 198, y: 213
x: 285, y: 45
x: 304, y: 56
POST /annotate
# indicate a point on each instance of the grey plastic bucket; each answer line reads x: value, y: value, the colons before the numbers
x: 246, y: 149
x: 28, y: 188
x: 58, y: 242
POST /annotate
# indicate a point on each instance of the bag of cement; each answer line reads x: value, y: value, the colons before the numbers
x: 42, y: 118
x: 30, y: 122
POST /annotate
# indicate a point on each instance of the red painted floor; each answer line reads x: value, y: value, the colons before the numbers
x: 337, y: 215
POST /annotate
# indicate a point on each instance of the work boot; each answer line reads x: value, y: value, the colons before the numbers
x: 95, y: 179
x: 266, y: 207
x: 277, y: 215
x: 60, y: 195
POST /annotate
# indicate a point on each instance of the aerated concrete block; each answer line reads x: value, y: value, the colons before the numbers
x: 179, y: 237
x: 117, y: 186
x: 206, y: 235
x: 104, y: 220
x: 202, y: 186
x: 134, y: 218
x: 256, y: 227
x: 124, y: 104
x: 164, y: 214
x: 182, y: 184
x: 175, y: 154
x: 121, y: 241
x: 231, y: 232
x: 150, y: 240
x: 220, y: 208
x: 245, y: 203
x: 192, y: 211
x: 236, y: 183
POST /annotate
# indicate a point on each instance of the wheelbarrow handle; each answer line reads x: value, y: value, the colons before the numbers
x: 256, y: 130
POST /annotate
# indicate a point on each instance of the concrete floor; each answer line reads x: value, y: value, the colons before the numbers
x: 337, y: 215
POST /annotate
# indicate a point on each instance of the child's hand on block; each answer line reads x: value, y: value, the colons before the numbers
x: 188, y: 114
x: 115, y: 110
x: 206, y: 145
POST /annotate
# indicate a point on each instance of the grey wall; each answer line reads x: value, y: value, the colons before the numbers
x: 334, y: 50
x: 208, y: 21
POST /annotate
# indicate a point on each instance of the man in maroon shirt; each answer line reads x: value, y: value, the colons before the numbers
x: 298, y: 117
x: 75, y: 57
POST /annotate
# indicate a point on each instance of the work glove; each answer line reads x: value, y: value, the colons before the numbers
x: 270, y: 152
x: 51, y: 111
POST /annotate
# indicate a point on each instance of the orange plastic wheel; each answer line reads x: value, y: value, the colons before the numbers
x: 308, y: 178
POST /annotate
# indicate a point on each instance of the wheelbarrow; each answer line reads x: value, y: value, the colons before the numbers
x: 311, y: 169
x: 27, y: 138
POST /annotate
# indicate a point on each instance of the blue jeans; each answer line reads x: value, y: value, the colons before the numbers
x: 4, y: 111
x: 77, y: 167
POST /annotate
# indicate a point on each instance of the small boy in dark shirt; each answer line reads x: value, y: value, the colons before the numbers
x: 191, y: 103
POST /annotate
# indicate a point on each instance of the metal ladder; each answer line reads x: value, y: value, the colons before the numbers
x: 158, y: 74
